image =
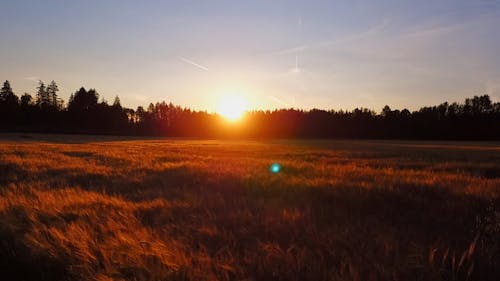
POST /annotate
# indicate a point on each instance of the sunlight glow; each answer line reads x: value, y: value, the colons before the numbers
x: 232, y: 107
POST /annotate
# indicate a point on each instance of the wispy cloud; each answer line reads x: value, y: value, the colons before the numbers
x: 141, y: 98
x: 188, y: 61
x: 292, y: 50
x: 32, y: 78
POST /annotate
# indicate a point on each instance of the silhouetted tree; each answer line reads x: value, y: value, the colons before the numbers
x: 42, y: 96
x: 8, y: 100
x: 386, y: 111
x: 9, y: 107
x: 83, y: 100
x: 140, y: 115
x: 116, y: 103
x: 52, y: 98
x: 477, y: 118
x: 26, y: 101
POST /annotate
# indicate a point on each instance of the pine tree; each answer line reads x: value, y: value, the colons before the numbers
x: 9, y: 102
x: 9, y: 106
x: 7, y: 96
x: 42, y: 98
x: 5, y: 91
x: 116, y: 103
x: 52, y: 98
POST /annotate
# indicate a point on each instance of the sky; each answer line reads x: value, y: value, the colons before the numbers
x: 276, y: 54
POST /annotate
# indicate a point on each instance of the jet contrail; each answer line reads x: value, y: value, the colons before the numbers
x: 297, y: 51
x: 280, y: 101
x: 188, y: 61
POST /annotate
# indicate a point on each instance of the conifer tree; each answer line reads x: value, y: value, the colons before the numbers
x: 7, y: 96
x: 42, y: 97
x: 52, y: 98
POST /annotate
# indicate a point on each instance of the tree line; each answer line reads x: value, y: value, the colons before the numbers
x: 478, y: 118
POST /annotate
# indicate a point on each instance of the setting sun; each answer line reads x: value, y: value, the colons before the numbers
x: 232, y: 107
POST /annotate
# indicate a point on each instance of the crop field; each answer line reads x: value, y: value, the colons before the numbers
x: 109, y: 208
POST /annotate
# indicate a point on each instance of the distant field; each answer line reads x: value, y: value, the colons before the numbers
x: 111, y: 208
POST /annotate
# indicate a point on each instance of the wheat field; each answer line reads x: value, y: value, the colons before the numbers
x: 110, y: 208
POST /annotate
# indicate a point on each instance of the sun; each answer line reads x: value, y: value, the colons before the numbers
x: 232, y: 107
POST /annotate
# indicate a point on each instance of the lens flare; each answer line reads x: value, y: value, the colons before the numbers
x: 275, y: 168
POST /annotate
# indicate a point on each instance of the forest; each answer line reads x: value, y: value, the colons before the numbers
x: 86, y: 112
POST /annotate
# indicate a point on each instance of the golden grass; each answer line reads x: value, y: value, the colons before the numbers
x: 111, y: 209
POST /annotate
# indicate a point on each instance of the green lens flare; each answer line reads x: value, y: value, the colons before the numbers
x: 275, y: 168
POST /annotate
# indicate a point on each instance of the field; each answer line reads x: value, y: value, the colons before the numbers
x: 104, y: 208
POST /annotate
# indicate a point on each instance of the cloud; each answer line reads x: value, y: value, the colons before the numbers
x: 291, y: 50
x: 139, y: 97
x: 32, y: 78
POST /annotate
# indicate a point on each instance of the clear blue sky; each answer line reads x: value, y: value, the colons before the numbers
x: 306, y: 54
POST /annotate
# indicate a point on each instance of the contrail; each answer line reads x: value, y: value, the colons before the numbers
x: 297, y: 51
x: 188, y: 61
x: 280, y: 101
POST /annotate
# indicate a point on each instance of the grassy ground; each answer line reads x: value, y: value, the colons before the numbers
x: 126, y: 209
